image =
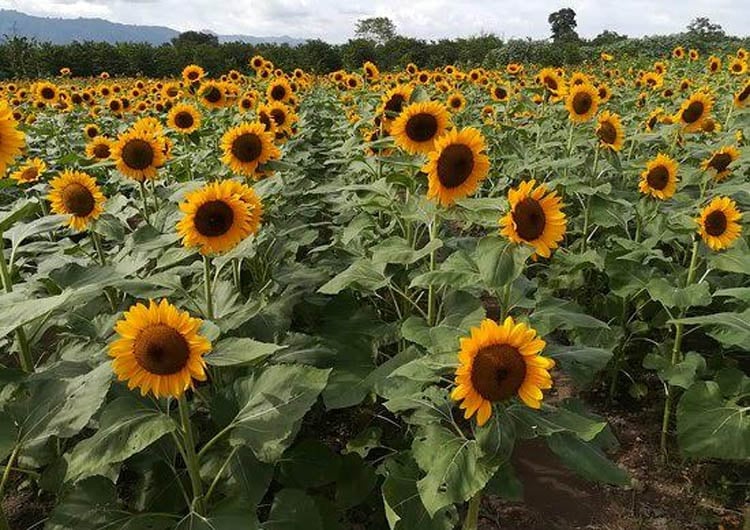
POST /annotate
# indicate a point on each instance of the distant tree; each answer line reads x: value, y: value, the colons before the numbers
x: 607, y: 37
x: 378, y: 29
x: 563, y: 24
x: 702, y: 27
x: 318, y: 56
x: 195, y: 38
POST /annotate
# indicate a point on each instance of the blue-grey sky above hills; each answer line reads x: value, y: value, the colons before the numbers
x: 334, y: 20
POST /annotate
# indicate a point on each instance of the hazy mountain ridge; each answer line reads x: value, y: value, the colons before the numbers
x: 67, y: 30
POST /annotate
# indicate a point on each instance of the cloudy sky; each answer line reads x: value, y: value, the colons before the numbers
x: 333, y: 20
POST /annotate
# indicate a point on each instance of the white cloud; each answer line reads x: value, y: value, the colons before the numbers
x: 334, y: 21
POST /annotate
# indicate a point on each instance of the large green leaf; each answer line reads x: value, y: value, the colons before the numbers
x: 586, y: 459
x: 8, y: 435
x: 62, y: 407
x: 293, y: 509
x: 20, y: 210
x: 398, y: 250
x: 582, y: 363
x: 553, y: 313
x: 235, y: 351
x: 93, y: 505
x: 711, y: 424
x: 456, y: 467
x: 272, y: 404
x: 697, y: 294
x: 309, y: 464
x: 403, y: 507
x: 500, y: 262
x: 551, y: 420
x: 362, y: 274
x: 127, y: 426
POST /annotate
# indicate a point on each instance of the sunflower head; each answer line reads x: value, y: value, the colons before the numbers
x: 139, y: 152
x: 12, y: 140
x: 719, y: 161
x: 535, y: 218
x: 718, y: 223
x: 193, y: 73
x: 456, y: 166
x: 419, y: 125
x: 279, y: 90
x: 694, y: 111
x: 610, y: 132
x: 742, y: 98
x: 456, y: 102
x: 395, y: 100
x: 659, y: 179
x: 76, y: 194
x: 159, y: 349
x: 247, y: 146
x: 100, y: 148
x: 217, y: 217
x: 30, y: 171
x: 184, y: 118
x: 498, y: 362
x: 582, y: 102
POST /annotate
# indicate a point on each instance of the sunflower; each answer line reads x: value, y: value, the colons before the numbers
x: 46, y: 92
x: 610, y: 132
x: 76, y: 194
x: 91, y: 131
x: 418, y: 125
x: 535, y: 218
x: 678, y: 52
x: 159, y: 349
x: 456, y: 102
x: 100, y: 148
x: 12, y: 140
x: 246, y: 147
x: 714, y: 64
x: 395, y: 100
x: 499, y: 93
x: 497, y: 362
x: 257, y: 62
x: 582, y: 102
x: 279, y: 90
x: 249, y: 197
x: 216, y: 218
x: 604, y: 93
x: 742, y: 97
x: 737, y: 66
x: 283, y: 117
x: 694, y: 55
x: 718, y: 223
x: 653, y: 118
x: 514, y: 69
x: 659, y: 179
x: 184, y: 118
x: 551, y: 80
x: 192, y: 73
x: 456, y: 165
x: 139, y: 152
x: 29, y: 171
x: 371, y: 71
x: 718, y: 162
x: 694, y: 110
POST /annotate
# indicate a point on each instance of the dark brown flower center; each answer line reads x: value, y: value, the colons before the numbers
x: 247, y: 147
x: 582, y: 103
x: 395, y: 104
x: 715, y: 223
x: 736, y: 67
x: 745, y: 93
x: 607, y: 132
x: 278, y: 92
x: 658, y: 178
x: 161, y: 350
x: 421, y: 127
x: 48, y: 93
x: 500, y: 93
x: 193, y: 75
x: 278, y: 116
x: 77, y: 199
x: 101, y: 151
x: 455, y: 102
x: 92, y: 132
x: 29, y: 174
x: 214, y: 218
x: 212, y: 95
x: 454, y: 165
x: 529, y: 218
x: 693, y: 112
x: 184, y: 120
x: 498, y: 372
x: 720, y: 162
x: 138, y: 154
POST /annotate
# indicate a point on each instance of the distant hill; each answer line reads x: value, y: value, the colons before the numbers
x: 67, y: 30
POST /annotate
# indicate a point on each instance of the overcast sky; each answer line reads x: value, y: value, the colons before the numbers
x: 334, y: 20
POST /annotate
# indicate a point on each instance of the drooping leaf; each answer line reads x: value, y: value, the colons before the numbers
x: 235, y: 351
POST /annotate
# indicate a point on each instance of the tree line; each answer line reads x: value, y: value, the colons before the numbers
x: 376, y: 39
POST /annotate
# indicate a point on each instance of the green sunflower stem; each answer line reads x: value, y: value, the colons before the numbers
x: 144, y: 200
x: 676, y: 356
x: 431, y: 316
x: 472, y: 514
x: 208, y: 291
x: 193, y: 465
x: 588, y: 203
x: 97, y: 241
x: 25, y: 359
x: 569, y: 147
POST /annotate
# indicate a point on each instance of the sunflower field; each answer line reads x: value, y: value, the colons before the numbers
x: 278, y: 300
